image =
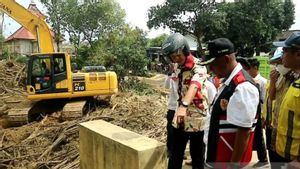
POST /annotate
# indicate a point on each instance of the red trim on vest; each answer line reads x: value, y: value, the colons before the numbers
x: 189, y: 63
x: 226, y: 144
x: 239, y: 78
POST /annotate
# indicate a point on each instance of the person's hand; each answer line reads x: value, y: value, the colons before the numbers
x: 274, y: 75
x: 293, y: 165
x: 180, y: 113
x: 171, y: 68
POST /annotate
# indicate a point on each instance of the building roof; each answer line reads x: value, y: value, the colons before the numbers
x: 21, y: 33
x: 33, y: 8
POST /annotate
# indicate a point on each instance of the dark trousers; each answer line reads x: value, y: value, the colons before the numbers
x: 259, y: 142
x: 276, y: 160
x: 196, y: 149
x: 170, y: 133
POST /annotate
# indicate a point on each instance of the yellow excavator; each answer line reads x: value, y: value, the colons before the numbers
x: 50, y: 80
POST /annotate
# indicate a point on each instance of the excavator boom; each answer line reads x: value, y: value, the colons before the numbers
x: 50, y: 80
x: 37, y: 26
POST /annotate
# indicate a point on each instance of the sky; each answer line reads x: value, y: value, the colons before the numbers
x: 136, y: 15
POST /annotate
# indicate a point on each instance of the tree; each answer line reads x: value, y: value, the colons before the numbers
x: 55, y: 11
x: 251, y: 24
x: 84, y: 20
x: 289, y: 14
x: 157, y: 41
x: 254, y: 24
x: 123, y: 50
x: 100, y: 18
x: 188, y: 17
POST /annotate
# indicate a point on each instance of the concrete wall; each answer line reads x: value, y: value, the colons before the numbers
x: 106, y: 146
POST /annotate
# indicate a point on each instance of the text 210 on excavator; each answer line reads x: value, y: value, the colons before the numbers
x: 49, y: 73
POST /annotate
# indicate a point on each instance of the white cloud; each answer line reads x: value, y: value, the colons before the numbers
x: 136, y: 14
x: 296, y: 26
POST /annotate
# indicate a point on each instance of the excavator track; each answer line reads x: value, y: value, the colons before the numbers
x: 73, y: 110
x: 69, y: 109
x: 17, y: 117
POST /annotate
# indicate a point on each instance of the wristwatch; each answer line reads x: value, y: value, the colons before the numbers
x: 184, y: 104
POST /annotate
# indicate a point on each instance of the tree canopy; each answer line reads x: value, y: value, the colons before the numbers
x: 157, y: 41
x: 98, y: 31
x: 187, y: 17
x: 253, y: 25
x: 250, y: 24
x: 84, y: 20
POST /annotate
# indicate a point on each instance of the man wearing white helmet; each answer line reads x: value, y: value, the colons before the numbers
x: 192, y: 109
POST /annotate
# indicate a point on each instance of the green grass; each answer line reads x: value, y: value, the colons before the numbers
x: 264, y: 67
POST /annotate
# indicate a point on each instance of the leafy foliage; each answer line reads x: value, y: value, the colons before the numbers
x: 250, y: 24
x: 123, y: 51
x: 21, y: 59
x: 254, y: 24
x: 188, y: 17
x: 56, y: 17
x: 158, y: 41
x: 133, y: 84
x: 84, y: 20
x: 128, y: 49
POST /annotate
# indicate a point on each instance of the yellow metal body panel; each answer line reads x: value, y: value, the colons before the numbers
x: 72, y: 95
x: 61, y: 85
x: 37, y: 26
x: 95, y: 83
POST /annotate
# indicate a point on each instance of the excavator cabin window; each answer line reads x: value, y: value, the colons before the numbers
x: 59, y: 65
x: 41, y: 73
x: 48, y: 73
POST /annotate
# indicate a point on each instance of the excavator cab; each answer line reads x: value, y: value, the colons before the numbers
x: 46, y: 73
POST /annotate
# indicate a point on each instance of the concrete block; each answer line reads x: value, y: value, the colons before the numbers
x: 107, y: 146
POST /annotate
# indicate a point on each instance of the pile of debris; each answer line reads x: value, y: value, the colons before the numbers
x: 142, y: 114
x: 12, y: 77
x: 12, y: 85
x: 51, y: 143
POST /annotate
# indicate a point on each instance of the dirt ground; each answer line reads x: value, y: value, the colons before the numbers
x: 53, y: 142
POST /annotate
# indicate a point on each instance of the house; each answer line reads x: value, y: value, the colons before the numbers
x: 24, y: 42
x: 285, y: 34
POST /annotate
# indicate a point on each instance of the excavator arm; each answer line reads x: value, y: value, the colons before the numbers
x: 37, y: 26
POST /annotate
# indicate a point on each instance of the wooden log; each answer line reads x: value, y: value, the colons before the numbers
x: 53, y: 145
